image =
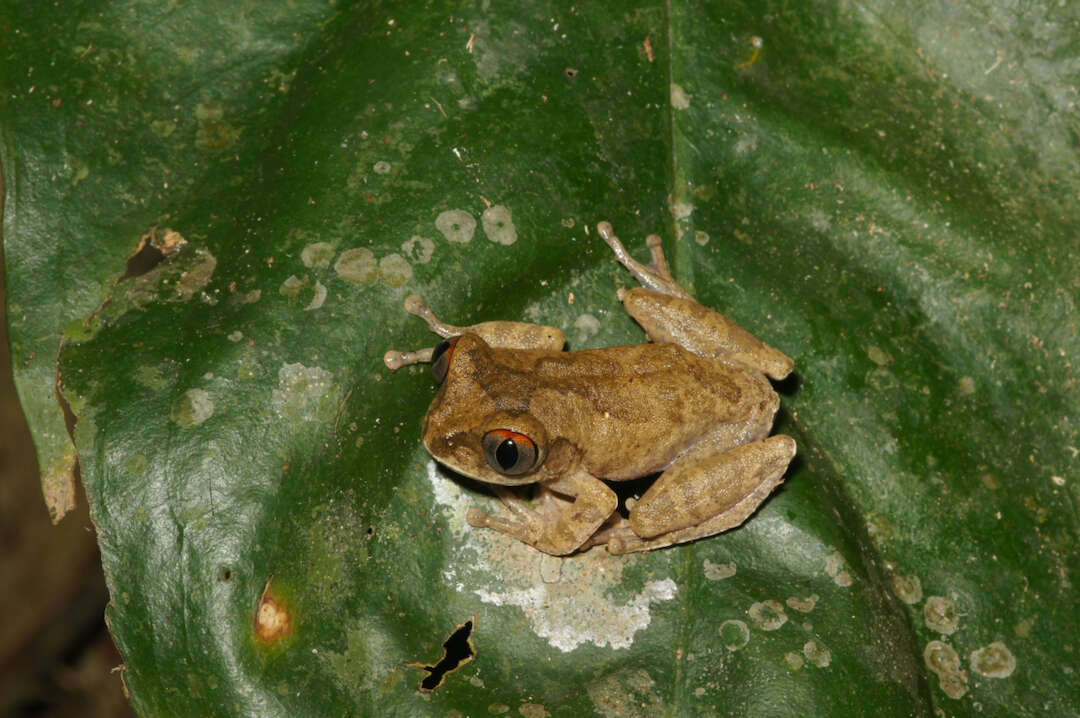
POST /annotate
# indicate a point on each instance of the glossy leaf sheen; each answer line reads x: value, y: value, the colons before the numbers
x: 887, y: 192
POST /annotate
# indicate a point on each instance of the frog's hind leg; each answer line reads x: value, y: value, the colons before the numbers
x: 655, y: 276
x: 706, y: 493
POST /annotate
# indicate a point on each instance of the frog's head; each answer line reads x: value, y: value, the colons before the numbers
x: 479, y: 424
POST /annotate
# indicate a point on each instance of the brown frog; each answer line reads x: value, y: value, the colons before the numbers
x: 694, y: 406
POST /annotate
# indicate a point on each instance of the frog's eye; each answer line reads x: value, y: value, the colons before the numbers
x: 509, y: 452
x: 440, y: 359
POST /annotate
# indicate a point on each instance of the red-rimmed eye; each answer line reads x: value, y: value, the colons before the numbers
x: 440, y: 359
x: 509, y: 452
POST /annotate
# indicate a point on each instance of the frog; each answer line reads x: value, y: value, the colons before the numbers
x: 693, y: 406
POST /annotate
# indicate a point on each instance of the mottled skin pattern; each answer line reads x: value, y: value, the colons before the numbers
x: 695, y: 405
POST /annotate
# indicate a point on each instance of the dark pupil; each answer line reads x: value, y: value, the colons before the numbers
x: 507, y: 454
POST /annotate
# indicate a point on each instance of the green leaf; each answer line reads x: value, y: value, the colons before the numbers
x: 886, y: 192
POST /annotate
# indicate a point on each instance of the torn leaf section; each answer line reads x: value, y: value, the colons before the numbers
x: 457, y: 651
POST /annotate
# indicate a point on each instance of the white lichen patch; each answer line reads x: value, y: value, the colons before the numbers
x: 304, y: 393
x: 907, y: 588
x: 568, y: 605
x: 718, y: 571
x: 587, y: 326
x: 318, y: 298
x: 768, y: 615
x: 357, y: 266
x: 317, y: 255
x: 816, y: 652
x: 734, y: 634
x: 418, y: 249
x: 499, y: 225
x: 456, y: 225
x: 803, y: 605
x: 394, y: 270
x: 701, y: 237
x: 836, y: 566
x: 993, y: 661
x: 680, y: 100
x: 940, y: 614
x: 943, y: 661
x: 381, y: 167
x: 192, y: 408
x: 235, y: 335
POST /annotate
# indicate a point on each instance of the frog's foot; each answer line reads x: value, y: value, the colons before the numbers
x: 655, y: 276
x: 555, y: 521
x: 415, y: 305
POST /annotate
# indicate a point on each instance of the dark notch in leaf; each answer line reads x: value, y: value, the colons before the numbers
x: 457, y: 651
x: 154, y: 245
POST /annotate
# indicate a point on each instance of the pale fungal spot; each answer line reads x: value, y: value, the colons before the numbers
x: 734, y: 634
x: 292, y: 287
x: 567, y: 222
x: 679, y: 99
x: 943, y: 660
x: 746, y: 143
x: 966, y: 385
x: 1023, y: 628
x: 993, y: 661
x: 701, y: 237
x: 794, y: 660
x: 533, y: 710
x: 418, y: 249
x: 679, y: 209
x: 303, y: 393
x: 768, y: 615
x: 877, y: 355
x: 394, y: 270
x: 718, y: 571
x: 499, y: 225
x: 382, y: 168
x: 192, y: 408
x: 836, y: 566
x: 357, y: 266
x: 456, y: 225
x: 318, y: 299
x: 587, y: 326
x: 235, y: 336
x: 317, y: 255
x: 908, y: 588
x: 940, y: 614
x: 803, y: 605
x: 816, y: 653
x: 625, y: 693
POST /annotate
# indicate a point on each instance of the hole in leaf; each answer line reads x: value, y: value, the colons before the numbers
x: 225, y: 573
x: 457, y: 651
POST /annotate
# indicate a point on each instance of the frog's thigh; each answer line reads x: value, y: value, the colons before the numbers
x: 712, y: 490
x: 703, y: 331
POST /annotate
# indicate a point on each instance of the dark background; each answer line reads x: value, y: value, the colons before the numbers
x: 56, y: 656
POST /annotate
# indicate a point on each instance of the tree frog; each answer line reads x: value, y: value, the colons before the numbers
x: 693, y: 406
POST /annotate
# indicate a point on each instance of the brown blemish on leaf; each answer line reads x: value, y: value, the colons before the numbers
x: 273, y: 621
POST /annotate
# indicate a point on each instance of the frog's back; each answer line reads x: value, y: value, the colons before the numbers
x: 633, y: 409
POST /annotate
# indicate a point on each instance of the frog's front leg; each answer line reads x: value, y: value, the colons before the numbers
x: 668, y: 313
x: 560, y: 519
x: 510, y: 335
x: 706, y: 492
